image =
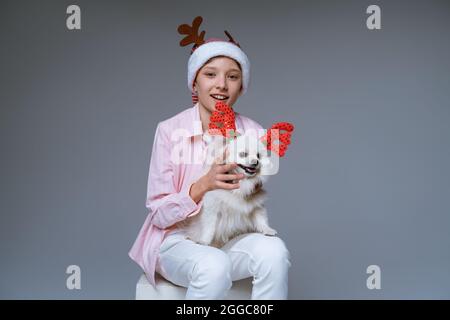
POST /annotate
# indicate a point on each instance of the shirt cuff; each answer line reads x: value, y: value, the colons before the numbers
x: 190, y: 207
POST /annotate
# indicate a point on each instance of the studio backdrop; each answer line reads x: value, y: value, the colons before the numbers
x: 362, y: 201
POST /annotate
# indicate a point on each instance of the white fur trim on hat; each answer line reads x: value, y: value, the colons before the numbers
x: 213, y: 49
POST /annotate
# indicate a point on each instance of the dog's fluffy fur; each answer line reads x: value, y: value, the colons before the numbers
x: 228, y: 213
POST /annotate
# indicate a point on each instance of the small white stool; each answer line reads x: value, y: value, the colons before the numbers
x: 165, y: 290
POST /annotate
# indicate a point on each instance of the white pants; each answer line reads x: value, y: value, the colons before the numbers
x: 208, y: 272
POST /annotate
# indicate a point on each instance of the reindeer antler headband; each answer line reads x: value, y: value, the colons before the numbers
x: 192, y: 35
x: 277, y: 138
x: 204, y: 50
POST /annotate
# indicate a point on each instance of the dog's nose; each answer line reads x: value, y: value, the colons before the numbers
x: 254, y: 162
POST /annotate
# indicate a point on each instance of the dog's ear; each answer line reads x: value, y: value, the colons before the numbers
x: 270, y: 161
x: 214, y: 140
x: 207, y: 138
x: 215, y: 145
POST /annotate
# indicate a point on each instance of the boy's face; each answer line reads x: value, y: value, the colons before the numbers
x: 218, y: 80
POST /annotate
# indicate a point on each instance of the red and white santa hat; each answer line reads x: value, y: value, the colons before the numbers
x: 202, y: 51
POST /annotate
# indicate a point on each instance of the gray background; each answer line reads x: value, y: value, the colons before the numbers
x: 366, y: 180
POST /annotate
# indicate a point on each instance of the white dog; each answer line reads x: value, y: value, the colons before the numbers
x: 228, y: 213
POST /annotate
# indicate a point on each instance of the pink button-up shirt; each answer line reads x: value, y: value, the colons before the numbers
x: 170, y: 180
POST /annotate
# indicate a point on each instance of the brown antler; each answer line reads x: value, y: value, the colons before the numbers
x: 192, y: 33
x: 231, y: 38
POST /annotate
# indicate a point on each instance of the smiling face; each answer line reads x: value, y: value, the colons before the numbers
x: 220, y: 79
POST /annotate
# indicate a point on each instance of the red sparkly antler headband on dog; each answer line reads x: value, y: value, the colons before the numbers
x: 277, y: 138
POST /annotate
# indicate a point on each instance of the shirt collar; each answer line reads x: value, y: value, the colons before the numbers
x: 194, y: 127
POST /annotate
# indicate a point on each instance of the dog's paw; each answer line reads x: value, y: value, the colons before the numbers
x: 205, y: 242
x: 269, y: 231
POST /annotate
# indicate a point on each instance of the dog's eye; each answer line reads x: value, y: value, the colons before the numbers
x: 257, y: 155
x: 243, y: 154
